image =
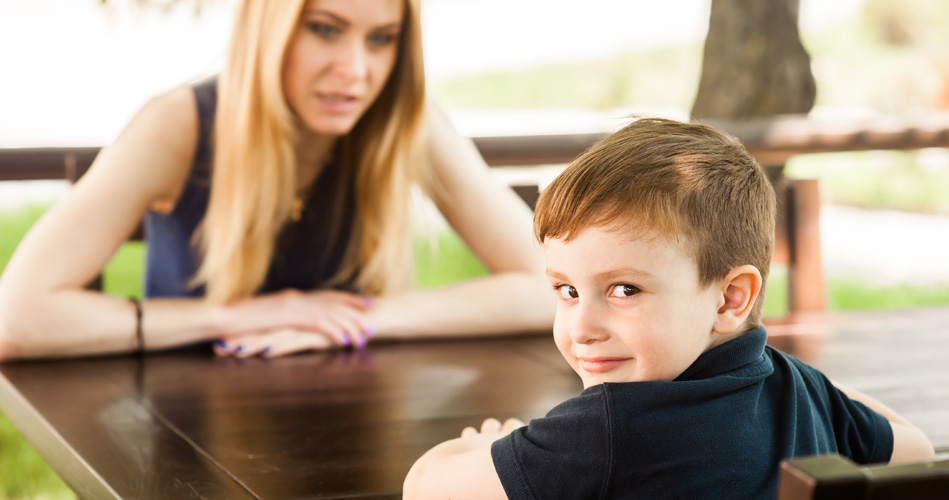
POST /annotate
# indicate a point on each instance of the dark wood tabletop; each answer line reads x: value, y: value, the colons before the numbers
x: 345, y: 424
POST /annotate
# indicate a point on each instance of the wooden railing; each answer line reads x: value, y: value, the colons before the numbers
x: 772, y: 141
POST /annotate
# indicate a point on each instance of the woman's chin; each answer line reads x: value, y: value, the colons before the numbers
x: 335, y: 127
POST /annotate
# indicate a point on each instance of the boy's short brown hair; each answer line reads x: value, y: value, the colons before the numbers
x: 667, y: 178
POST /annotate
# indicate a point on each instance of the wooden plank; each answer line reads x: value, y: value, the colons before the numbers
x: 97, y: 433
x: 833, y: 477
x: 824, y: 477
x: 44, y: 163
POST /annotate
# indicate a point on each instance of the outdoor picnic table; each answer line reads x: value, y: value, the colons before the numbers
x: 344, y: 424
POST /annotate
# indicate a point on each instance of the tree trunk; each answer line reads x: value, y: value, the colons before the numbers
x: 754, y: 63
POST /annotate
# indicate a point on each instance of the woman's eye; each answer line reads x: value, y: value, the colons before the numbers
x: 567, y: 292
x: 323, y: 30
x: 381, y: 39
x: 624, y: 291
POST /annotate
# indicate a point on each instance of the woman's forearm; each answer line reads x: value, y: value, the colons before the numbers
x: 79, y: 322
x: 496, y: 304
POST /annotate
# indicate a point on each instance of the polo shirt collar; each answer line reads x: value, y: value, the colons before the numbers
x: 728, y: 357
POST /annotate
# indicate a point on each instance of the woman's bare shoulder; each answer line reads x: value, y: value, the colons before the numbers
x: 156, y: 148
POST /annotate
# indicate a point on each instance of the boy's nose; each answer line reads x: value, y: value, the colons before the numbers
x: 588, y: 324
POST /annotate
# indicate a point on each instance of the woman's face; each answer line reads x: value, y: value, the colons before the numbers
x: 339, y: 59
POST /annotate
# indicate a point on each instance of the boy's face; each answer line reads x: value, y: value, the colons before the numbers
x: 629, y: 309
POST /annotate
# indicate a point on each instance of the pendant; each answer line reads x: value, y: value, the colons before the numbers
x: 296, y: 210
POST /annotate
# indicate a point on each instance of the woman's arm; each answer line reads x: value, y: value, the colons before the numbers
x: 496, y: 225
x: 909, y: 443
x: 44, y: 310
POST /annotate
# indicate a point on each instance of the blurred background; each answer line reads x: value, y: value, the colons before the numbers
x: 73, y: 72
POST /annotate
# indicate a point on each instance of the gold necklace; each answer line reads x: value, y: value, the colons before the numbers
x: 299, y: 203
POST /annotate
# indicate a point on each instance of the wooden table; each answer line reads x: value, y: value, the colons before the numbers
x: 350, y: 424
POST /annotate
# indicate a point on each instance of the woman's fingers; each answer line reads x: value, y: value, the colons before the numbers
x: 312, y: 320
x: 298, y: 343
x: 273, y: 343
x: 339, y: 315
x: 358, y: 301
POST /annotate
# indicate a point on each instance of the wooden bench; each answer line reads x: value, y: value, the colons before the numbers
x: 833, y: 477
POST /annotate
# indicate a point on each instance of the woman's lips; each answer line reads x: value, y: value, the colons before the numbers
x: 338, y: 103
x: 600, y: 365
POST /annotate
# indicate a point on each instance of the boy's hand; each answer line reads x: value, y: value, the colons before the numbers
x: 493, y: 426
x: 461, y: 468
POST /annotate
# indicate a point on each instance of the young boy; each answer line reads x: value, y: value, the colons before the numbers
x: 658, y: 242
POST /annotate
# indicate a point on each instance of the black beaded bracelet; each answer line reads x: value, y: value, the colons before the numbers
x: 138, y: 324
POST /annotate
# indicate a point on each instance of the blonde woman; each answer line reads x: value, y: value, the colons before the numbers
x: 276, y: 206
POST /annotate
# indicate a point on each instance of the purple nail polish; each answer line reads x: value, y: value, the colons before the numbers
x: 370, y: 331
x: 346, y: 340
x: 240, y: 348
x: 220, y: 344
x: 367, y: 301
x: 265, y: 352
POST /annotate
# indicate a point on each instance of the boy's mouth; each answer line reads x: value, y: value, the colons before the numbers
x: 600, y: 365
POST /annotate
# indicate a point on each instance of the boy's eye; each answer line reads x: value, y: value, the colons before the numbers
x: 382, y: 39
x: 567, y: 292
x: 624, y: 291
x: 322, y: 30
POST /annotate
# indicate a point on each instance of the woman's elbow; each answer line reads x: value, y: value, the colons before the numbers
x: 17, y: 325
x: 7, y: 332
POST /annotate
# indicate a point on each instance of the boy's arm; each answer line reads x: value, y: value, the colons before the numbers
x: 461, y: 468
x: 909, y: 443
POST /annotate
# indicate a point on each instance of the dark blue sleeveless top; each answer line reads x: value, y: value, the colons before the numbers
x: 306, y: 254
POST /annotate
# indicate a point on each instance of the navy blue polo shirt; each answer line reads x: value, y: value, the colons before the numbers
x: 718, y: 431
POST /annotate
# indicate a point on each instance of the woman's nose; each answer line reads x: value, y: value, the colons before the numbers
x: 351, y: 63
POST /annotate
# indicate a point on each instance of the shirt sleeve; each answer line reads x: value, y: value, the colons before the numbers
x: 567, y: 454
x: 860, y: 433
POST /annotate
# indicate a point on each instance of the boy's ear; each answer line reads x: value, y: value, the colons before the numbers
x: 740, y: 290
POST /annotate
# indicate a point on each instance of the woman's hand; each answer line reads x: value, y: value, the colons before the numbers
x: 293, y: 321
x: 272, y: 344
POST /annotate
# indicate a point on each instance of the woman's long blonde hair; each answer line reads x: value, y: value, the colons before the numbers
x: 256, y: 137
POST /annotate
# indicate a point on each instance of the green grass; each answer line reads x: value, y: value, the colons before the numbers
x: 898, y: 180
x: 23, y: 473
x: 664, y: 77
x: 844, y: 295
